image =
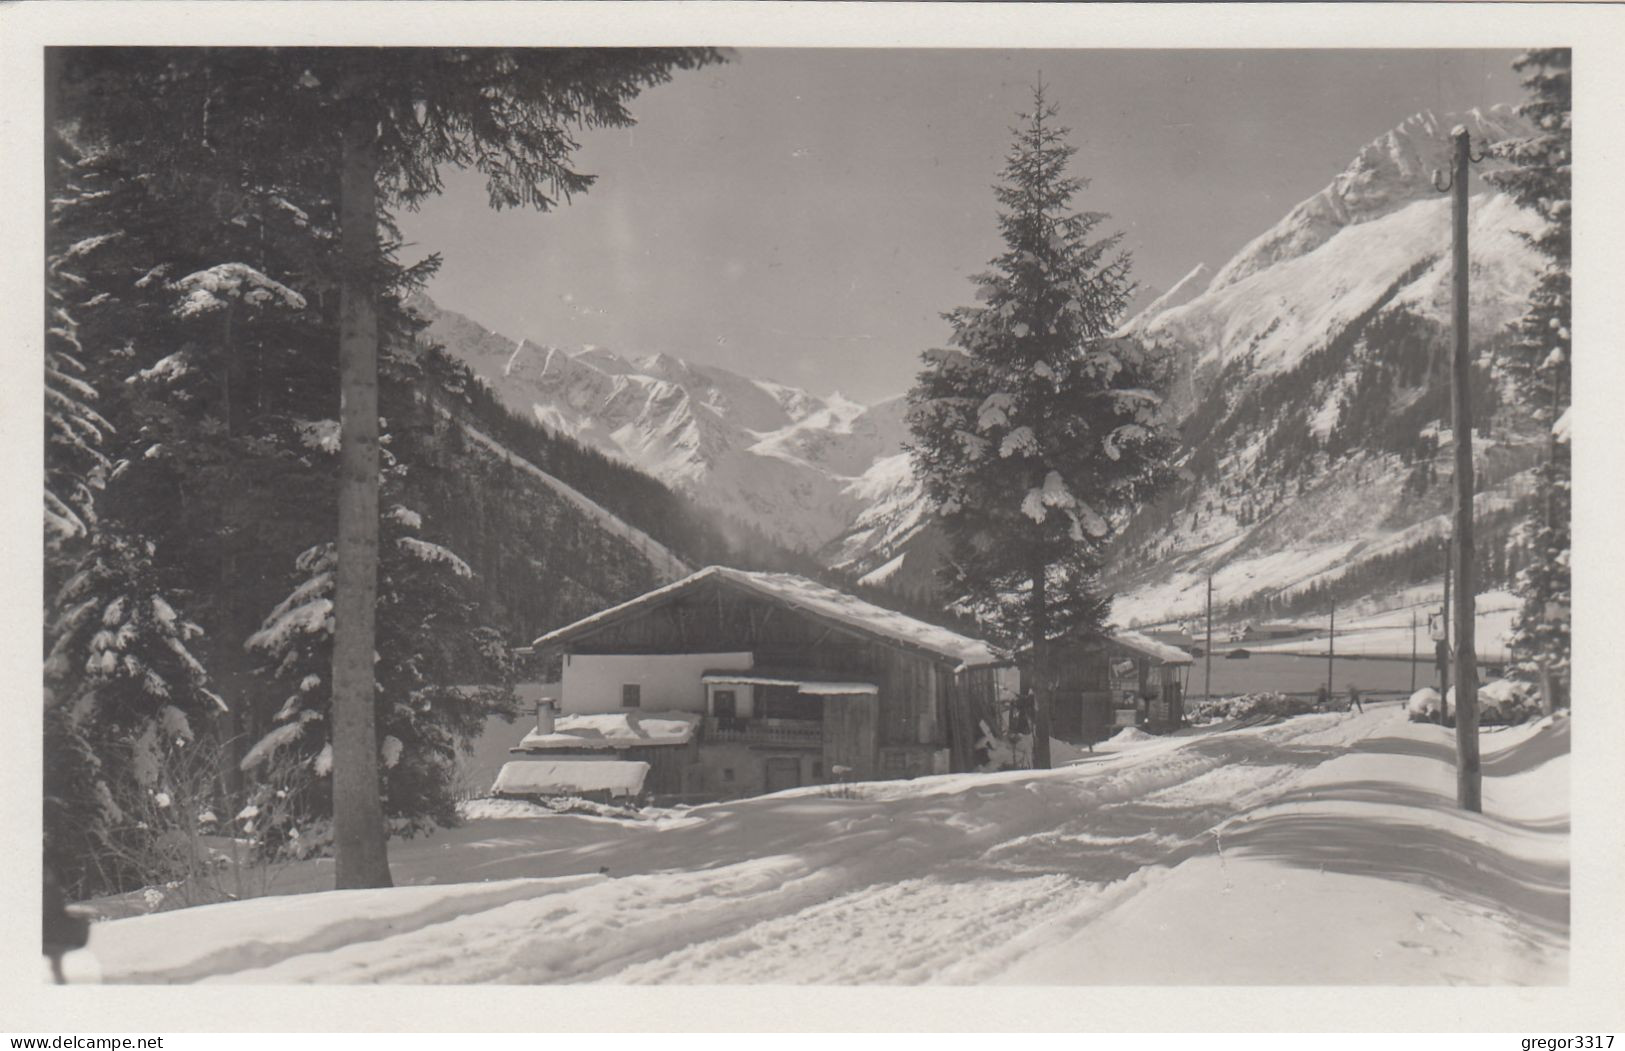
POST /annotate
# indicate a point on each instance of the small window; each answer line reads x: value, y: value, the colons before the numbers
x: 727, y: 773
x: 725, y: 704
x: 631, y: 695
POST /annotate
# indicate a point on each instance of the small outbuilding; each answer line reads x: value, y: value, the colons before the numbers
x: 602, y: 781
x: 1123, y: 678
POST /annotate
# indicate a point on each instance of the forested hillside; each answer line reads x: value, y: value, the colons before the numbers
x: 540, y: 559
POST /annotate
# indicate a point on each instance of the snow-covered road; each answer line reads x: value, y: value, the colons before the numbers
x: 1023, y: 876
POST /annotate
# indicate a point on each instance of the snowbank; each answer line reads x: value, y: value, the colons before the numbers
x: 1423, y: 704
x: 1130, y: 735
x: 1367, y: 851
x: 190, y: 944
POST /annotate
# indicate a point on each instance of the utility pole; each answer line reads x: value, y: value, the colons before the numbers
x: 1331, y: 649
x: 1207, y: 651
x: 1413, y: 651
x: 1468, y: 778
x: 1443, y: 648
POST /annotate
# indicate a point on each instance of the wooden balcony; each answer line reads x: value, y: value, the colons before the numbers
x: 779, y: 733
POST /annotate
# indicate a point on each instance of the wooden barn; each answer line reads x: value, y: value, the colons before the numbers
x: 1104, y: 682
x: 788, y: 683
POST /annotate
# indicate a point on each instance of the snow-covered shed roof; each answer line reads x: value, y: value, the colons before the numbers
x: 812, y: 598
x: 1160, y: 652
x: 626, y: 728
x: 819, y: 685
x: 568, y: 777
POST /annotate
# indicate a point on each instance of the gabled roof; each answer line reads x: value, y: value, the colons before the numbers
x: 810, y: 597
x: 1133, y: 641
x: 1160, y: 652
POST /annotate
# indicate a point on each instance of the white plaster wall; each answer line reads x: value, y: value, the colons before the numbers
x: 671, y: 681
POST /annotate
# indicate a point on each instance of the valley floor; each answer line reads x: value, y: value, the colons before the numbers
x: 1324, y: 849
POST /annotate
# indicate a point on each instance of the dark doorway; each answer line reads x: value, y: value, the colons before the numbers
x: 783, y: 772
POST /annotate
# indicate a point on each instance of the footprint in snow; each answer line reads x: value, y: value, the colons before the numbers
x: 1425, y: 920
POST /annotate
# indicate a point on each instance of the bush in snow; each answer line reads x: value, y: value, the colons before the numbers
x: 1423, y: 706
x: 1249, y: 705
x: 1501, y: 702
x: 1504, y: 702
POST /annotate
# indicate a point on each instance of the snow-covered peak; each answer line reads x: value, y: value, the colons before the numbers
x: 1390, y: 172
x: 764, y: 452
x: 1185, y: 289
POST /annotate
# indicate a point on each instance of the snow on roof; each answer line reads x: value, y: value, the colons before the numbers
x: 626, y: 728
x: 1561, y: 429
x: 559, y: 777
x: 822, y: 684
x: 839, y: 689
x: 1149, y: 647
x: 812, y: 598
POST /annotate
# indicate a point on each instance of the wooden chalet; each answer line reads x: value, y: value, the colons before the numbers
x: 1107, y: 681
x: 788, y: 683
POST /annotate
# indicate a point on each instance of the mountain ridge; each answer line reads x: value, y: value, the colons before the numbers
x: 1307, y: 363
x: 779, y: 458
x: 1307, y: 366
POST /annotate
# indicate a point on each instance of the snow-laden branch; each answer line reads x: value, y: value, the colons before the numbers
x: 424, y: 551
x: 212, y: 289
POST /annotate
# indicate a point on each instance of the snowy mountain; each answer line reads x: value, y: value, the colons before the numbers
x: 1313, y: 391
x: 1185, y: 289
x: 798, y: 467
x: 1310, y: 382
x: 1389, y: 173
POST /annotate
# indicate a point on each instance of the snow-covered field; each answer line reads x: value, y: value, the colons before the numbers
x: 1322, y: 849
x: 1389, y: 633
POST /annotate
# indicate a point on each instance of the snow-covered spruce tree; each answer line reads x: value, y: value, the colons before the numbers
x: 123, y: 691
x: 122, y: 685
x: 75, y: 465
x: 1537, y: 364
x: 428, y: 639
x: 1038, y: 430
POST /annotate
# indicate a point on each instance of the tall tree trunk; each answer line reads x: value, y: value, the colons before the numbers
x: 231, y: 722
x: 1039, y: 616
x: 358, y: 814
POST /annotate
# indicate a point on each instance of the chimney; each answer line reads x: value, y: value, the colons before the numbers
x: 545, y: 712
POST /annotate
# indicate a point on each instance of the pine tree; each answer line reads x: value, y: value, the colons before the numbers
x: 1537, y: 363
x: 1037, y: 430
x: 428, y: 639
x: 120, y: 675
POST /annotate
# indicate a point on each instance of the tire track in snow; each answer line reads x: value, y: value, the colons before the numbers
x: 918, y: 886
x: 954, y: 926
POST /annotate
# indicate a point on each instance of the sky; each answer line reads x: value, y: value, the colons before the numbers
x: 807, y: 215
